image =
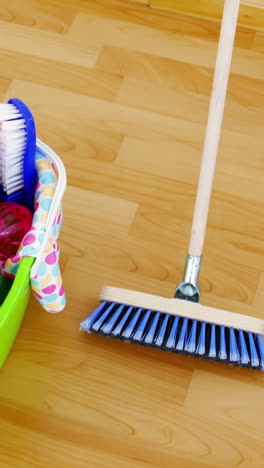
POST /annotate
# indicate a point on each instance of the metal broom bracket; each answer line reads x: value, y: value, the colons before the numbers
x: 189, y: 288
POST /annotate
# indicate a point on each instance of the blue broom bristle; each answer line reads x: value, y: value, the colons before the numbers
x: 201, y: 342
x: 131, y: 326
x: 120, y: 325
x: 162, y: 331
x: 88, y: 323
x: 212, y: 350
x: 234, y: 355
x: 245, y: 359
x: 222, y: 348
x: 177, y: 334
x: 190, y: 345
x: 138, y: 336
x: 149, y: 338
x: 108, y: 326
x: 171, y: 342
x: 99, y: 321
x: 183, y: 335
x: 253, y: 350
x: 260, y: 346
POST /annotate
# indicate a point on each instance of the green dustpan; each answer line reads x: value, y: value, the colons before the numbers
x: 14, y: 297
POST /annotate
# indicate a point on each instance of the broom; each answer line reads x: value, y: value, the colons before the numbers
x: 181, y: 324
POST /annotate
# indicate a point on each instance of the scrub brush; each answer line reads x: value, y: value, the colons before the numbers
x: 17, y: 154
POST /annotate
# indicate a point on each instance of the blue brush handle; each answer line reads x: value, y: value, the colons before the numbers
x: 2, y: 193
x: 29, y: 170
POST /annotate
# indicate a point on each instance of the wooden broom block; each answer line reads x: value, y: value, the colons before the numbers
x: 183, y: 308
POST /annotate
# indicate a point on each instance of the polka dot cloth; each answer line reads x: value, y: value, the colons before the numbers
x: 47, y: 283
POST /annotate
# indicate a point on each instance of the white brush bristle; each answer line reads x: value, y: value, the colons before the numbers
x: 12, y: 147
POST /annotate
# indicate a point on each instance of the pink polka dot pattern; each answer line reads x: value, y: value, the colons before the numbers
x: 49, y: 289
x: 29, y: 239
x: 50, y: 259
x: 16, y: 258
x: 51, y: 295
x: 38, y: 296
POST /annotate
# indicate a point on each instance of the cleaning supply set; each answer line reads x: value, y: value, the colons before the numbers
x: 182, y: 324
x: 32, y: 178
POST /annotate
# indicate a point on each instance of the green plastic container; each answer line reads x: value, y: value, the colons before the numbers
x: 14, y: 297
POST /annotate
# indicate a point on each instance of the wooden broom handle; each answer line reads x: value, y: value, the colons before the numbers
x: 214, y: 123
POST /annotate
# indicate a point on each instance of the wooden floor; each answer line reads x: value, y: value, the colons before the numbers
x: 121, y: 93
